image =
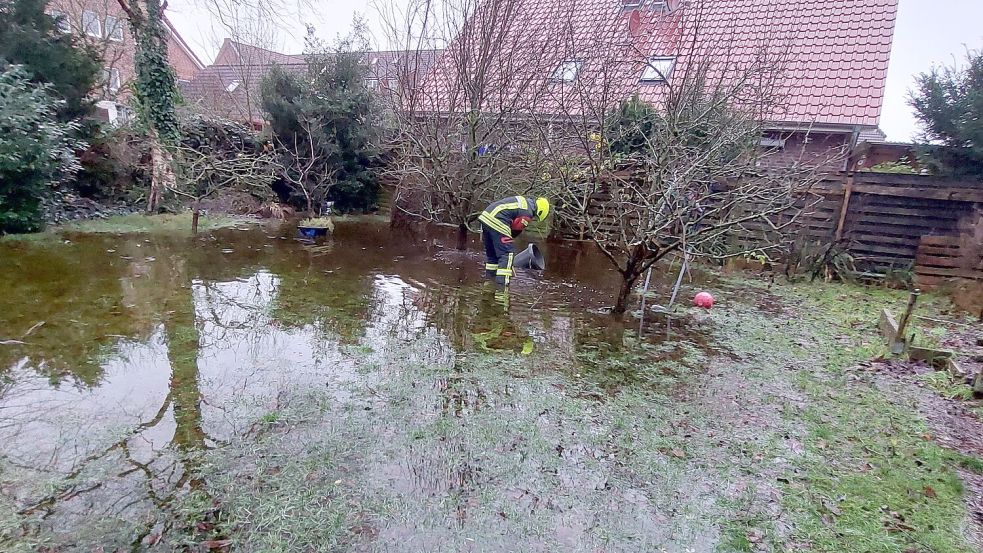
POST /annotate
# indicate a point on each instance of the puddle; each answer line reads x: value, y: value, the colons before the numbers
x: 129, y: 356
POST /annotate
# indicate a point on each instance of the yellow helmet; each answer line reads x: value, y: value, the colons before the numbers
x: 542, y: 209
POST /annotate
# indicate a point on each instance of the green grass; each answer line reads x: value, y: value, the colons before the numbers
x: 948, y: 387
x: 144, y: 224
x: 872, y: 479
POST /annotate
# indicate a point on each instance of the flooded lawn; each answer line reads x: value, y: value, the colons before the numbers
x: 242, y: 390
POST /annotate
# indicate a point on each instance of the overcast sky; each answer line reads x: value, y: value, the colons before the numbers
x: 928, y: 32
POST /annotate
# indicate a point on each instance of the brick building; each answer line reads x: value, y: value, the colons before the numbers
x: 230, y: 86
x: 577, y: 57
x: 103, y: 24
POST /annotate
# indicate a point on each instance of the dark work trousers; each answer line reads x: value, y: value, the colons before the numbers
x: 499, y: 251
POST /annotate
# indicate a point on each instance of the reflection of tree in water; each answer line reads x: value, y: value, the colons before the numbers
x: 183, y: 344
x: 75, y: 290
x: 166, y: 472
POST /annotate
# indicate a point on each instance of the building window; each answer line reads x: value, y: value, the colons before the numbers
x: 91, y: 24
x: 112, y: 79
x: 651, y: 4
x: 114, y: 29
x: 61, y: 22
x: 567, y: 71
x: 372, y: 84
x: 773, y: 143
x: 658, y: 70
x: 231, y: 87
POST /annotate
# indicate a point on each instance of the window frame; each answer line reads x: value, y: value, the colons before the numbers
x: 558, y: 73
x: 639, y: 4
x: 62, y: 23
x: 112, y: 79
x: 116, y: 29
x: 95, y: 20
x: 659, y: 77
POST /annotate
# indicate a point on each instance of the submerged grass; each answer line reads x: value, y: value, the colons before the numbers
x: 628, y: 449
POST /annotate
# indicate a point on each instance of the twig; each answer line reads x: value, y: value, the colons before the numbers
x: 924, y: 318
x: 32, y: 329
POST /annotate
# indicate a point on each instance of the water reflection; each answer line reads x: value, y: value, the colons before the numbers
x: 154, y: 349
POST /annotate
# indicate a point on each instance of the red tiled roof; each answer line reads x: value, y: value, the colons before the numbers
x: 231, y: 89
x: 835, y: 64
x: 240, y: 53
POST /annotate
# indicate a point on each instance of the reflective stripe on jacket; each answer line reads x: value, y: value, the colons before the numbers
x: 501, y: 215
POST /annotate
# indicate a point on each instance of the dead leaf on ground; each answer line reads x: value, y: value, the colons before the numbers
x: 755, y: 536
x: 930, y: 492
x: 212, y: 545
x: 678, y: 453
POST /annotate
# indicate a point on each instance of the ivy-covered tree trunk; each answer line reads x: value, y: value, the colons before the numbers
x: 156, y: 92
x: 161, y: 171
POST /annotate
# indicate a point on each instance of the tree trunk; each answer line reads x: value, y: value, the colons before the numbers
x: 462, y: 236
x: 624, y: 295
x: 161, y: 173
x: 195, y: 214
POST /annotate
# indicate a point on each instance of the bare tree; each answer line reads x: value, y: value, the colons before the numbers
x: 699, y: 183
x: 221, y: 162
x: 302, y: 168
x: 255, y: 31
x: 462, y: 132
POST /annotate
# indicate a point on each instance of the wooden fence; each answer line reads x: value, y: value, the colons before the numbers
x: 904, y: 222
x: 929, y: 225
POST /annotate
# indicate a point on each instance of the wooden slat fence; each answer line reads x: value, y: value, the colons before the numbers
x: 930, y: 225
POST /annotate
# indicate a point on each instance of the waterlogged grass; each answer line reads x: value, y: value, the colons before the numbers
x: 471, y: 452
x: 772, y: 442
x: 136, y: 223
x: 141, y: 224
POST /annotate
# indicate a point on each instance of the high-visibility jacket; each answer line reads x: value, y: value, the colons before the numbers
x: 509, y: 216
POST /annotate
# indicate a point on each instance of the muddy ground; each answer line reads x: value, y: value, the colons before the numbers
x: 244, y: 391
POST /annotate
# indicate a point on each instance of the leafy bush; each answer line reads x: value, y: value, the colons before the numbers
x: 29, y: 38
x: 35, y: 149
x: 948, y: 103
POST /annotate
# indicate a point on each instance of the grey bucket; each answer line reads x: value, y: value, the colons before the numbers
x: 530, y: 258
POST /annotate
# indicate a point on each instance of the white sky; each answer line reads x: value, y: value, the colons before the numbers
x: 928, y: 32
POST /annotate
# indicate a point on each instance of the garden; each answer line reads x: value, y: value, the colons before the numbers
x: 217, y: 338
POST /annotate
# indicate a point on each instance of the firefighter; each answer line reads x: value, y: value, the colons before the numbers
x: 501, y: 222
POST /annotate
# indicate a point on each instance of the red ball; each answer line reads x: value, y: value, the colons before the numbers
x: 704, y: 300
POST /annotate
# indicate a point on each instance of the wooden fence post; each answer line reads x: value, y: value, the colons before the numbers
x: 847, y: 193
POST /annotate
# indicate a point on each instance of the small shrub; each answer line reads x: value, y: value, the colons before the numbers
x: 318, y: 222
x: 35, y: 150
x: 112, y: 167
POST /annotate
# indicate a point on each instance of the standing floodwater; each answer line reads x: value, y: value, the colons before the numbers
x: 140, y: 374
